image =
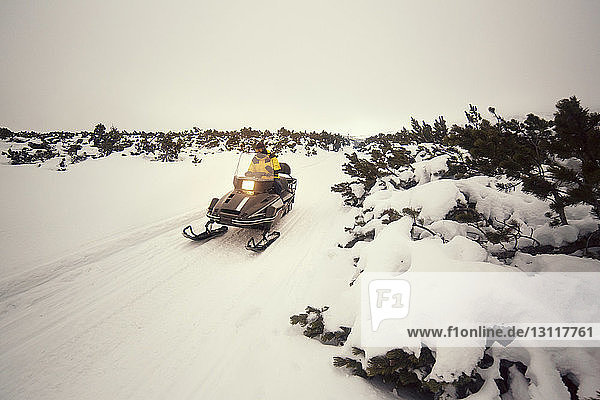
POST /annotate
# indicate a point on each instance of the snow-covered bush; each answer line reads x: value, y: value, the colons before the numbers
x: 557, y: 161
x: 478, y: 207
x: 169, y: 147
x: 108, y: 142
x: 28, y: 156
x: 33, y: 147
x: 312, y: 321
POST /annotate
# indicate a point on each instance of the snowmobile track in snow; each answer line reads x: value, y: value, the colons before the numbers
x: 150, y: 314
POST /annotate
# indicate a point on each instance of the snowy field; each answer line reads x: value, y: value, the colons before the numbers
x: 102, y: 298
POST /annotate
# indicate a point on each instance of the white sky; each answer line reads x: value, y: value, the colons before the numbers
x: 344, y: 66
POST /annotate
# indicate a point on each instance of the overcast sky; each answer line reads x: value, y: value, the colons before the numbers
x: 344, y: 66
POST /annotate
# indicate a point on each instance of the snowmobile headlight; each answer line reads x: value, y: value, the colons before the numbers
x: 248, y: 185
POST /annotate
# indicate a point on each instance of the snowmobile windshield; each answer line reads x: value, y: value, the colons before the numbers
x: 255, y: 166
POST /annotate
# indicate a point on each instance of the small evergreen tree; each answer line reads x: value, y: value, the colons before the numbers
x: 169, y: 146
x: 578, y: 137
x: 107, y: 142
x: 5, y: 133
x: 99, y: 130
x: 561, y: 165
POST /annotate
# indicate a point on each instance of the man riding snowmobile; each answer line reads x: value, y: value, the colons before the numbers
x: 259, y: 199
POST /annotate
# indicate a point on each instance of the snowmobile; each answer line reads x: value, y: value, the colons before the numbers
x: 253, y: 203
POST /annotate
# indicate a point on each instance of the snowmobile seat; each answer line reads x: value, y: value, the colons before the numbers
x: 285, y: 169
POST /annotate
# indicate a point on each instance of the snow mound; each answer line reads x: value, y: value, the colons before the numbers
x: 433, y: 199
x: 390, y: 251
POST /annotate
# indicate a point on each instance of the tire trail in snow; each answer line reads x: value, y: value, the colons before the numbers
x: 22, y: 282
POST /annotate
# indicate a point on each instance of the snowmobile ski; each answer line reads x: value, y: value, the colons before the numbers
x: 209, y: 233
x: 266, y: 241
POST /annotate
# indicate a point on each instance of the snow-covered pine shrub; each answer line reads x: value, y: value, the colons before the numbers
x: 312, y: 321
x: 578, y: 137
x: 107, y: 142
x: 328, y: 141
x: 73, y: 153
x: 426, y: 133
x: 391, y: 155
x: 390, y: 215
x: 353, y: 193
x: 355, y: 366
x: 169, y: 146
x: 403, y: 372
x: 43, y: 146
x: 495, y: 212
x: 232, y: 143
x: 557, y: 161
x: 27, y: 156
x: 145, y: 145
x: 501, y: 222
x: 5, y: 133
x: 418, y: 223
x: 384, y: 160
x: 492, y: 229
x: 62, y: 166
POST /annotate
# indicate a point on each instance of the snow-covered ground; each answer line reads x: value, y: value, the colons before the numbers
x: 48, y: 213
x: 102, y: 298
